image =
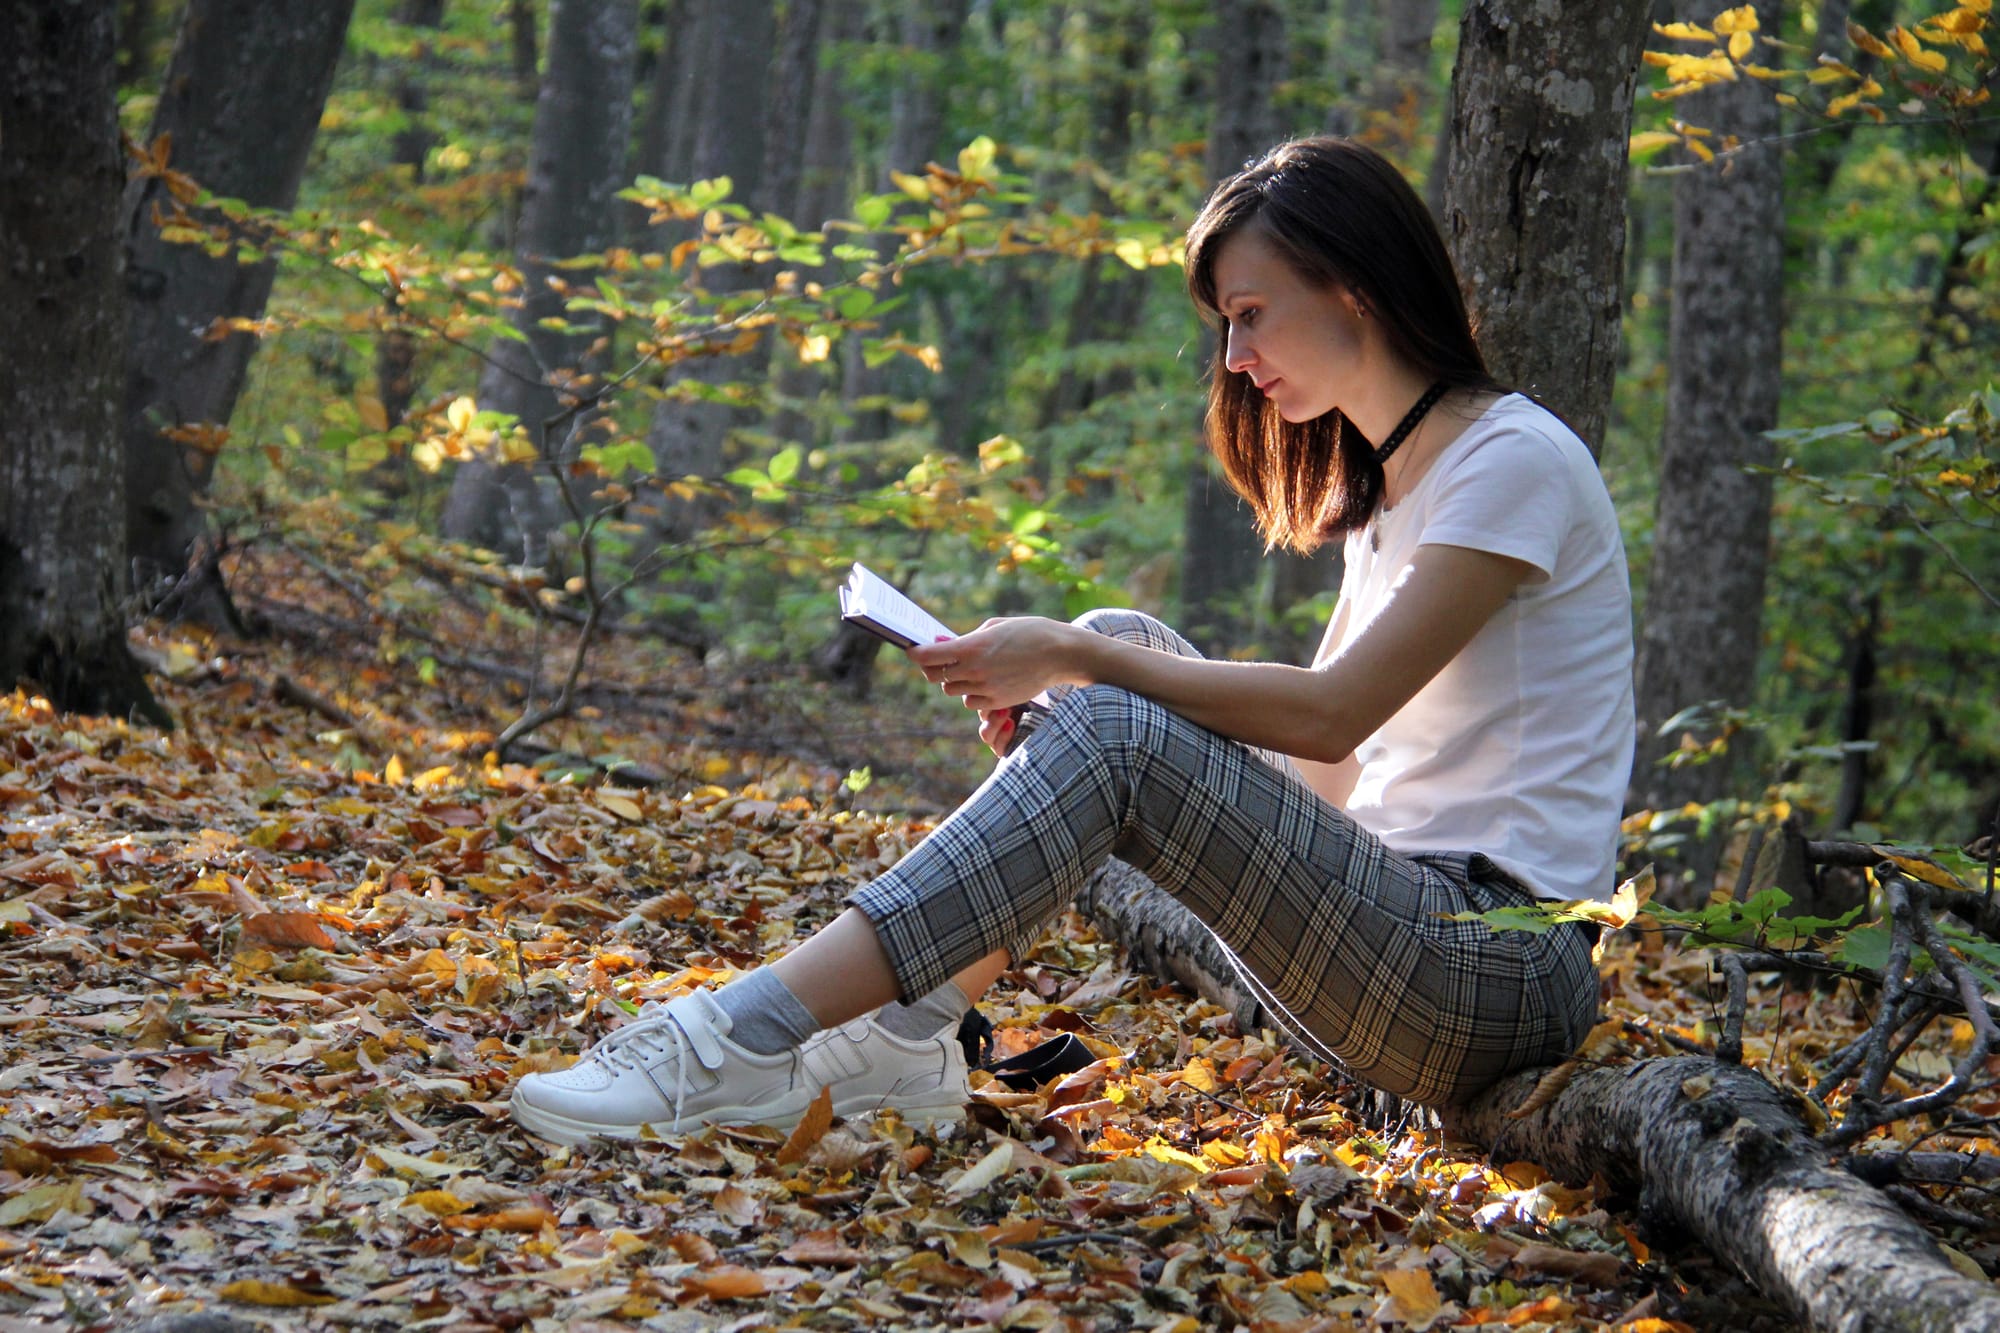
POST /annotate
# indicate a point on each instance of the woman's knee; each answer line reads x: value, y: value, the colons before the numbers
x: 1135, y: 627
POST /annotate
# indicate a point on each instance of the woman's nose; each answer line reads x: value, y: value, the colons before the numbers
x: 1236, y: 354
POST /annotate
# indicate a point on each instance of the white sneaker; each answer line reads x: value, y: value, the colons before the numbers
x: 672, y: 1069
x: 871, y: 1069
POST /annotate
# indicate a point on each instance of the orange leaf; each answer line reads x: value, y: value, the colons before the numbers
x: 526, y: 1218
x: 1548, y: 1310
x: 811, y: 1129
x: 288, y: 930
x: 256, y: 1291
x: 725, y: 1282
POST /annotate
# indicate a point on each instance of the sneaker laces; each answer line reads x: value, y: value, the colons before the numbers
x: 684, y: 1027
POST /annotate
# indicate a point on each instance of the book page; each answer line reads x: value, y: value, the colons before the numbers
x: 874, y: 603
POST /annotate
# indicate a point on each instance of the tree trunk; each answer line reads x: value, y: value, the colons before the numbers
x: 1534, y: 206
x: 1221, y: 556
x: 688, y: 435
x: 62, y: 537
x: 241, y: 103
x: 583, y: 118
x: 1704, y: 608
x: 396, y: 349
x: 1706, y: 1148
x: 929, y: 34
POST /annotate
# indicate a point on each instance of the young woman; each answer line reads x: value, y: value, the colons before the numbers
x: 1461, y: 741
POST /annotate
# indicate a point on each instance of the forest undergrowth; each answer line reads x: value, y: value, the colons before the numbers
x: 266, y: 983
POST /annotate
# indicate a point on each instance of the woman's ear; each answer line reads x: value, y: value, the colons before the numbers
x: 1355, y: 304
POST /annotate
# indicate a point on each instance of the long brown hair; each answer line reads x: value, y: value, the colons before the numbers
x: 1339, y: 213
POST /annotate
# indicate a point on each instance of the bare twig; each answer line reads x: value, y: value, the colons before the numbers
x: 1729, y: 1048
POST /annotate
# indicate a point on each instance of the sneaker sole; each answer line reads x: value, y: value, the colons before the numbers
x: 561, y: 1129
x: 575, y: 1133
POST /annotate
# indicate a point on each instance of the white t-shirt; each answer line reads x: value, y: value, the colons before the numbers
x: 1521, y: 747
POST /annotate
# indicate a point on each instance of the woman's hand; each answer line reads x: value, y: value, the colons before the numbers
x: 1000, y: 664
x: 996, y: 729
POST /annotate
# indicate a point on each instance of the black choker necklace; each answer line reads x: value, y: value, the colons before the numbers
x: 1409, y: 422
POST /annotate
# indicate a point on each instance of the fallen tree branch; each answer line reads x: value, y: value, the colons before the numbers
x: 1716, y: 1150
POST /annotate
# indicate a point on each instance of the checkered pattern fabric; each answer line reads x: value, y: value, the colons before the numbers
x: 1348, y: 936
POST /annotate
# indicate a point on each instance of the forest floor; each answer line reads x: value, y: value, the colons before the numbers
x: 266, y: 983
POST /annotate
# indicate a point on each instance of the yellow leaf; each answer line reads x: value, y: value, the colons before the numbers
x: 459, y: 414
x: 1869, y: 42
x: 438, y: 1203
x: 1132, y: 251
x: 1743, y: 18
x: 1701, y: 150
x: 1831, y: 71
x: 623, y: 806
x: 975, y: 160
x: 917, y: 187
x: 1684, y: 32
x: 1906, y: 41
x: 1415, y: 1295
x: 256, y: 1291
x: 1740, y: 44
x: 1651, y: 141
x: 814, y: 348
x: 392, y: 772
x: 1845, y: 102
x: 1922, y: 868
x: 373, y: 414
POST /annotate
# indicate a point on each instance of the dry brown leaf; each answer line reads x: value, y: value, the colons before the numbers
x: 1546, y: 1089
x: 725, y: 1282
x: 811, y: 1129
x: 288, y: 930
x: 823, y: 1247
x: 1592, y: 1266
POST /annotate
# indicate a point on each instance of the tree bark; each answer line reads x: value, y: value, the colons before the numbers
x: 62, y: 536
x: 1704, y: 607
x: 1706, y: 1148
x: 583, y: 118
x: 241, y: 102
x: 1534, y: 206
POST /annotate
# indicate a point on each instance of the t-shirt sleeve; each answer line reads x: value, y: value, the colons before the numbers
x: 1508, y: 494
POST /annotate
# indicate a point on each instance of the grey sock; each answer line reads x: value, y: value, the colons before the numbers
x: 764, y: 1015
x: 930, y: 1015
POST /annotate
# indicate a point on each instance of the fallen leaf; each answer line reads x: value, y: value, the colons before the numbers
x: 1414, y: 1294
x: 810, y: 1130
x: 288, y: 930
x: 256, y: 1291
x: 526, y: 1218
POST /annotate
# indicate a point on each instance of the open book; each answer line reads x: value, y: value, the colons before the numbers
x: 876, y: 605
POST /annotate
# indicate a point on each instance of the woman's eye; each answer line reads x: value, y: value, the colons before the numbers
x: 1245, y: 317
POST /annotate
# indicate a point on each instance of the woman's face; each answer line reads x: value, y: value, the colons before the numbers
x: 1303, y: 346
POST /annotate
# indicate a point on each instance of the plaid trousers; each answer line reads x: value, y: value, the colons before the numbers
x: 1346, y: 935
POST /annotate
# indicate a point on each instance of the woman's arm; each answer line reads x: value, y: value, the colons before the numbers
x: 1320, y: 713
x: 1334, y: 782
